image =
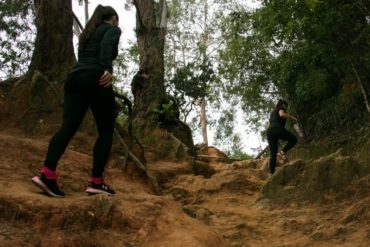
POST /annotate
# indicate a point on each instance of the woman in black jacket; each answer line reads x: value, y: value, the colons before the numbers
x: 88, y: 85
x: 277, y: 131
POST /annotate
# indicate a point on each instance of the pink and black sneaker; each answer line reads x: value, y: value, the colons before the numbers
x: 97, y: 186
x: 284, y: 155
x: 48, y: 186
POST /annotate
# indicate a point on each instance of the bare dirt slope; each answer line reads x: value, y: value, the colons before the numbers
x: 134, y: 217
x: 248, y: 208
x: 238, y: 206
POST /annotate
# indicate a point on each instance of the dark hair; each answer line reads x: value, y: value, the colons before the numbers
x: 280, y: 103
x: 101, y: 14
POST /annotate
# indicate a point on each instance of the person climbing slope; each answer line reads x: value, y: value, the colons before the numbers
x: 276, y: 131
x: 88, y: 85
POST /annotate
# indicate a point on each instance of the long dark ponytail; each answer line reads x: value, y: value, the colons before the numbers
x: 101, y: 14
x: 280, y: 104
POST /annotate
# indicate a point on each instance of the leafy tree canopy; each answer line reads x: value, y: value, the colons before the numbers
x: 304, y: 51
x: 16, y: 37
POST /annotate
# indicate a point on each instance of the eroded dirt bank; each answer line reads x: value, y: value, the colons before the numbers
x: 325, y: 202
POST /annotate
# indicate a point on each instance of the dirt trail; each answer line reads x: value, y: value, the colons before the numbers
x: 230, y: 202
x: 134, y: 217
x: 227, y: 209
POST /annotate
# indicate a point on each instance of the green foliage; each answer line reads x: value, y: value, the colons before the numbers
x: 164, y: 108
x: 138, y: 131
x: 121, y: 119
x: 236, y: 149
x: 124, y: 70
x: 223, y: 134
x: 164, y: 149
x: 167, y: 112
x: 245, y: 62
x: 120, y: 66
x: 189, y: 65
x: 193, y: 80
x: 133, y: 53
x: 240, y: 155
x: 149, y: 140
x: 227, y: 138
x: 191, y: 58
x: 17, y: 30
x: 304, y: 51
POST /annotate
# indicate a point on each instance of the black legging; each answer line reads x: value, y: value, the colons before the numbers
x: 81, y: 91
x: 273, y: 136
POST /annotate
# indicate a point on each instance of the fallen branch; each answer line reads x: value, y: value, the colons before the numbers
x: 128, y: 103
x: 262, y: 152
x: 366, y: 101
x: 128, y: 153
x: 152, y: 180
x: 178, y: 143
x: 124, y: 148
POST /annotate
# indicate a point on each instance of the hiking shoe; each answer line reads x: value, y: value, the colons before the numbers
x: 101, y: 188
x: 48, y: 186
x: 284, y: 155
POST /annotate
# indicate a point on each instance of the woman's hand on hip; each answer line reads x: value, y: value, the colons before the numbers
x: 106, y: 79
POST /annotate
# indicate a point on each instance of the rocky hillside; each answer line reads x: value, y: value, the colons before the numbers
x: 323, y: 202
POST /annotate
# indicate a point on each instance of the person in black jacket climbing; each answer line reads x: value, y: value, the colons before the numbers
x: 88, y: 85
x: 276, y: 131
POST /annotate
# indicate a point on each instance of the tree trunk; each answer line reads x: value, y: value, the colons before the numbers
x: 149, y: 88
x: 203, y: 121
x: 53, y: 54
x: 203, y: 116
x: 36, y: 98
x: 148, y: 84
x: 86, y: 11
x: 174, y: 62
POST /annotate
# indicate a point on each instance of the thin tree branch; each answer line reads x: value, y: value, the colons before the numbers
x: 131, y: 155
x: 86, y: 11
x: 361, y: 87
x: 77, y: 25
x: 128, y: 103
x: 259, y: 155
x: 163, y: 23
